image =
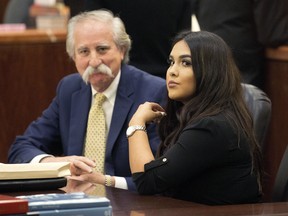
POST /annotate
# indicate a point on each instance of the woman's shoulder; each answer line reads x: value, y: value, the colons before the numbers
x: 217, y: 124
x: 219, y: 127
x: 219, y: 120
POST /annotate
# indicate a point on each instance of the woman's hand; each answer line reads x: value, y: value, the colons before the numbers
x: 146, y: 113
x: 93, y: 177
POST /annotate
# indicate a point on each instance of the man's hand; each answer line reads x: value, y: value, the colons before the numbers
x: 78, y: 164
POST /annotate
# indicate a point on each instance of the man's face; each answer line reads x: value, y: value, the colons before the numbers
x: 94, y: 45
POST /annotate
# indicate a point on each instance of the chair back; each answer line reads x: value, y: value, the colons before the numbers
x: 260, y: 107
x: 280, y: 189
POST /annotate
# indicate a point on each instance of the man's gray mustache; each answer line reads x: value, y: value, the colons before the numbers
x: 100, y: 69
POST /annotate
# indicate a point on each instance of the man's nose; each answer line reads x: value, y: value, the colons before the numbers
x: 95, y: 60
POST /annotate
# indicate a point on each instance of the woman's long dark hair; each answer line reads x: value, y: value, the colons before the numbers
x: 218, y: 90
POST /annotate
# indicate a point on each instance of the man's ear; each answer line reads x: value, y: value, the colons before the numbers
x: 123, y: 51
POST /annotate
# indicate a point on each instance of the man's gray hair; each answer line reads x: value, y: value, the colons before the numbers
x: 121, y: 38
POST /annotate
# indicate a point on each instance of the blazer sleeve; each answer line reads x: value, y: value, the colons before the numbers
x: 53, y: 132
x: 198, y: 149
x: 42, y: 136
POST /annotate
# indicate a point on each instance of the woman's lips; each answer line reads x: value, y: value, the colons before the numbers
x: 172, y: 84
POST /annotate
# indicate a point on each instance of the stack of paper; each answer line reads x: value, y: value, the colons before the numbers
x: 34, y: 170
x: 33, y: 176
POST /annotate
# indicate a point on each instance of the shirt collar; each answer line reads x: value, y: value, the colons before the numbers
x: 110, y: 92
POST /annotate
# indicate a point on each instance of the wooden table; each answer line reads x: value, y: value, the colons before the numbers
x: 127, y: 203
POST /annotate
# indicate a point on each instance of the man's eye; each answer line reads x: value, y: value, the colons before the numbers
x: 83, y: 52
x: 102, y: 49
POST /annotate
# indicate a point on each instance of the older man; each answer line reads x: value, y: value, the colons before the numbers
x: 99, y: 45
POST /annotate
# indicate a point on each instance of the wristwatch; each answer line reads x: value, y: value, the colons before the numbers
x: 131, y: 129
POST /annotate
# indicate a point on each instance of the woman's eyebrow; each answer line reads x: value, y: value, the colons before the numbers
x: 186, y: 56
x: 182, y: 56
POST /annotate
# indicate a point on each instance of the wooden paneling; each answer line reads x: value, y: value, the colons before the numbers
x: 32, y: 36
x: 3, y: 4
x: 30, y: 71
x: 276, y: 86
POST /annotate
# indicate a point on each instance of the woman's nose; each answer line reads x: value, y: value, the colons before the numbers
x: 172, y: 71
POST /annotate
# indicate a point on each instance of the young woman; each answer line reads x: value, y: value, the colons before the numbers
x: 209, y: 153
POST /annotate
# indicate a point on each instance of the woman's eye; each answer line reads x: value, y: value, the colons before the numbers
x: 186, y: 63
x: 170, y: 62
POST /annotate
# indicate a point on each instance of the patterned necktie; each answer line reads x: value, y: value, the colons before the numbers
x: 96, y: 133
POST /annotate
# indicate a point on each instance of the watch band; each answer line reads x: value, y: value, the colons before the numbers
x: 108, y: 181
x: 131, y: 129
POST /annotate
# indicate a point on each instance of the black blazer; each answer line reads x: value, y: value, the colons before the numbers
x: 208, y: 164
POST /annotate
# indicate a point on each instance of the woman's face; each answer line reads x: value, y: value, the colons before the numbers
x: 180, y: 79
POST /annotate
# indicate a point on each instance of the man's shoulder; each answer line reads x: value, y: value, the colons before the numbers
x: 71, y: 83
x: 74, y: 77
x: 72, y: 80
x: 137, y: 75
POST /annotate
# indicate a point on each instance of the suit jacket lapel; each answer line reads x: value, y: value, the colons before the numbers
x: 121, y: 110
x: 80, y: 105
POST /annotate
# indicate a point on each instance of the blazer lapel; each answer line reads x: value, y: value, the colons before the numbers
x: 121, y: 110
x: 80, y: 105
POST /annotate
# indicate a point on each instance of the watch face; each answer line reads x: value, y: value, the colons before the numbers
x: 130, y: 131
